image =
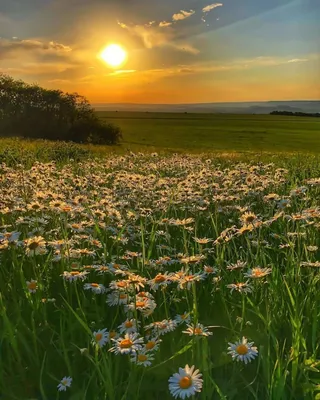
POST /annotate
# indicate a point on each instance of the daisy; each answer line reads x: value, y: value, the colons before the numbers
x: 186, y: 383
x: 182, y: 318
x: 197, y: 330
x: 65, y: 382
x: 142, y: 358
x: 116, y: 297
x: 242, y: 351
x: 129, y: 326
x: 242, y: 287
x: 97, y: 288
x: 32, y: 286
x: 101, y: 337
x: 152, y: 344
x: 257, y: 272
x: 159, y: 280
x: 131, y: 343
x: 74, y: 275
x: 35, y: 246
x: 162, y: 327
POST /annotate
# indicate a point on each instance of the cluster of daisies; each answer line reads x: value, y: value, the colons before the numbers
x: 131, y: 227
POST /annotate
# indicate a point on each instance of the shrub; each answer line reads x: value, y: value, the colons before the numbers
x: 33, y: 112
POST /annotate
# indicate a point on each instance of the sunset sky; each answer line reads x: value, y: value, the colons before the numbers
x: 178, y: 51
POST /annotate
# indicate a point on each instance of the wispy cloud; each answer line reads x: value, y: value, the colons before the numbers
x: 182, y: 15
x: 16, y: 45
x: 154, y: 36
x: 121, y: 72
x: 211, y: 7
x: 164, y: 24
x: 297, y: 60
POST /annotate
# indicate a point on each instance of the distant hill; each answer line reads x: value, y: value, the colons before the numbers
x: 229, y: 108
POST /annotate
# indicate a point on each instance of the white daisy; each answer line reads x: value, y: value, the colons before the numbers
x: 101, y: 337
x: 242, y: 350
x: 183, y: 318
x: 130, y: 344
x: 257, y: 273
x: 65, y: 382
x: 197, y: 330
x: 129, y: 326
x: 162, y: 327
x: 152, y: 344
x: 117, y: 297
x: 32, y: 286
x: 186, y: 383
x: 74, y: 275
x: 143, y: 358
x: 97, y: 288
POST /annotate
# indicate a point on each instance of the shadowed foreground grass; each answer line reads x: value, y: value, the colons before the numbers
x: 162, y: 245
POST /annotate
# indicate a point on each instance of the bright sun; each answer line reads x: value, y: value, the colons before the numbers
x: 114, y: 55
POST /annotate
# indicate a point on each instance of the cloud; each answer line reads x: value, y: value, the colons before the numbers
x: 182, y: 15
x: 165, y: 24
x: 16, y: 46
x: 295, y: 60
x: 121, y: 72
x: 211, y: 7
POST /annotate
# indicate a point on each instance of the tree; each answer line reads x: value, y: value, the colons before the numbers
x: 34, y: 112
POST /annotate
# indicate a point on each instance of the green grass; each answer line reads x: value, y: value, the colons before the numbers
x: 213, y: 132
x: 126, y: 202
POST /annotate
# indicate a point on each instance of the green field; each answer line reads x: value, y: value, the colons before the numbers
x: 217, y: 132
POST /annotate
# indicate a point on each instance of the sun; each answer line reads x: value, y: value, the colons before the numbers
x: 114, y: 55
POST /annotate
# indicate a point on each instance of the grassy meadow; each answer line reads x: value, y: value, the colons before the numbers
x: 216, y: 132
x: 118, y: 271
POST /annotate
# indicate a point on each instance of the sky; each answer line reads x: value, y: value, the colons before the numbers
x: 178, y: 51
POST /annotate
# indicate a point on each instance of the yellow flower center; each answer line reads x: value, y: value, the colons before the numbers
x: 257, y: 272
x: 126, y: 344
x: 242, y: 349
x: 198, y: 331
x: 150, y: 345
x: 142, y: 357
x: 32, y: 285
x: 74, y: 273
x: 184, y: 316
x: 140, y: 304
x: 141, y: 294
x: 112, y: 334
x: 163, y: 326
x: 128, y: 324
x: 159, y: 279
x: 33, y: 245
x: 98, y: 337
x: 122, y: 296
x: 95, y: 285
x: 121, y: 284
x: 185, y: 382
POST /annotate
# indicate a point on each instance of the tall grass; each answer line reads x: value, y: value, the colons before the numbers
x: 126, y: 202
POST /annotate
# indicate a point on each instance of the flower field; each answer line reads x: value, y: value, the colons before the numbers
x: 160, y: 277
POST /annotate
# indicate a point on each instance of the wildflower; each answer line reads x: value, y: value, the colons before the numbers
x: 116, y: 297
x: 183, y: 318
x: 197, y: 330
x: 312, y: 248
x: 101, y: 337
x: 257, y: 272
x: 35, y: 246
x: 242, y: 351
x: 241, y: 287
x: 131, y: 343
x: 248, y: 218
x: 74, y: 275
x: 32, y: 286
x: 97, y: 288
x: 159, y: 280
x: 142, y: 358
x: 186, y: 383
x: 65, y: 382
x: 129, y: 326
x: 162, y: 327
x: 152, y: 344
x: 238, y: 265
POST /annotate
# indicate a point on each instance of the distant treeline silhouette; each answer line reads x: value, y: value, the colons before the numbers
x: 34, y: 112
x: 295, y: 114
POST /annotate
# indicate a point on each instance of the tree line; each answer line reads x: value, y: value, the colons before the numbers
x: 295, y: 114
x: 31, y: 111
